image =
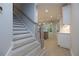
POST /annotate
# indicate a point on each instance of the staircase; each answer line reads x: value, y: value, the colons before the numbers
x: 24, y: 43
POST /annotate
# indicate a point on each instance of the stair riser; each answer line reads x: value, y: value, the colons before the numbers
x: 20, y: 38
x: 15, y: 32
x: 19, y: 29
x: 20, y: 33
x: 22, y: 43
x: 35, y: 52
x: 18, y: 26
x: 25, y: 49
x: 14, y: 26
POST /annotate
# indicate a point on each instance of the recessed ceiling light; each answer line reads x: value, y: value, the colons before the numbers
x: 46, y: 10
x: 51, y: 16
x: 43, y: 23
x: 50, y: 23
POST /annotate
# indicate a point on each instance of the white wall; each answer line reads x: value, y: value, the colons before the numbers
x: 75, y: 29
x: 5, y: 28
x: 66, y: 10
x: 28, y: 9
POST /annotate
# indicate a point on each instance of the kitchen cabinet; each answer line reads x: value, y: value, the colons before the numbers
x: 63, y: 37
x: 64, y: 40
x: 66, y: 14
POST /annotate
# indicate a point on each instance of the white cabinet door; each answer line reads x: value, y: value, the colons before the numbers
x: 66, y: 12
x: 64, y: 40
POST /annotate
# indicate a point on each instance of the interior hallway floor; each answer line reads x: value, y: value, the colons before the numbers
x: 53, y: 49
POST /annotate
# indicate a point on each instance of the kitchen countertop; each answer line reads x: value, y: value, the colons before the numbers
x: 65, y: 29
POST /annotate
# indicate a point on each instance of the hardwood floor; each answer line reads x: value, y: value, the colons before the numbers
x: 53, y: 49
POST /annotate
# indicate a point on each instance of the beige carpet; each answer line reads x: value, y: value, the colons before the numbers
x: 53, y: 49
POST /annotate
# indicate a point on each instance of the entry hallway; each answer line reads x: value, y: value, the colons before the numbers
x: 53, y: 49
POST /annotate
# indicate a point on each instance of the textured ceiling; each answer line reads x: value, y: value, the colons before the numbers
x: 54, y: 10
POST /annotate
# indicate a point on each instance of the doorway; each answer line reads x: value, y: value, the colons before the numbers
x: 49, y: 16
